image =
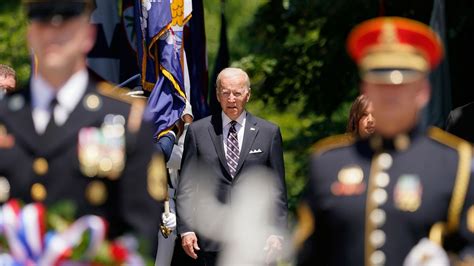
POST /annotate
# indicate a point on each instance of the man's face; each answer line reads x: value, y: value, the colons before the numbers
x: 233, y: 95
x: 61, y: 46
x: 396, y: 106
x: 7, y: 83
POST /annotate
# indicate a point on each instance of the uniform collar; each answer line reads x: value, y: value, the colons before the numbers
x: 401, y: 142
x: 67, y: 96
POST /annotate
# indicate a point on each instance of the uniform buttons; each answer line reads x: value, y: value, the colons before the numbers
x: 382, y: 179
x: 96, y: 193
x: 38, y: 192
x: 384, y: 161
x: 377, y: 258
x: 40, y: 166
x: 379, y: 196
x: 377, y: 238
x: 377, y: 217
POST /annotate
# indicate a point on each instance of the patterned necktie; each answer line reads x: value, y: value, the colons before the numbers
x: 232, y: 149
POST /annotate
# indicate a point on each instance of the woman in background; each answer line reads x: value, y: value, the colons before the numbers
x: 361, y: 123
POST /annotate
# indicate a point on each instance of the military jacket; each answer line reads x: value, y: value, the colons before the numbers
x: 371, y: 201
x: 102, y: 159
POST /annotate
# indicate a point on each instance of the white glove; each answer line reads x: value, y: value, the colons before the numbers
x: 169, y: 220
x: 426, y: 253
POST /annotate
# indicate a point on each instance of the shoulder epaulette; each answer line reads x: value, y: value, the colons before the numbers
x: 108, y: 90
x: 332, y: 142
x: 461, y: 184
x: 446, y: 138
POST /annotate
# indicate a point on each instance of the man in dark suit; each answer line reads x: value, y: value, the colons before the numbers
x: 460, y: 122
x: 69, y: 137
x: 226, y: 145
x: 405, y: 194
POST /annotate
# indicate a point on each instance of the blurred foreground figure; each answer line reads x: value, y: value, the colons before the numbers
x: 68, y: 137
x: 404, y: 196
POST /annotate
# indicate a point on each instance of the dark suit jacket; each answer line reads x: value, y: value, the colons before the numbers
x: 128, y: 205
x: 460, y: 122
x: 204, y: 151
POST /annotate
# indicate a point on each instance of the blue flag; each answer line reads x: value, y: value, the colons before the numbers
x: 196, y: 55
x: 160, y: 38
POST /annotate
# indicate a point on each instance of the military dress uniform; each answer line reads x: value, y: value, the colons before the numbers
x: 373, y: 200
x: 376, y: 201
x: 102, y: 159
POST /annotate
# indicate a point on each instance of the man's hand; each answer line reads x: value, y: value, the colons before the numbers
x: 273, y: 247
x: 189, y: 243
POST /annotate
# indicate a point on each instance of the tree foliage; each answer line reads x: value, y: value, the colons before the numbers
x: 13, y: 49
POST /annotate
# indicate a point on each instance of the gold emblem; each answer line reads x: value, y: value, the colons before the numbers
x: 157, y: 178
x: 350, y: 182
x: 4, y: 189
x: 38, y: 192
x: 92, y: 102
x: 96, y: 193
x: 177, y: 12
x: 40, y: 166
x: 470, y: 219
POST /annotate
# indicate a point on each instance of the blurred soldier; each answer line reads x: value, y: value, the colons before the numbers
x: 401, y: 195
x: 69, y: 137
x: 7, y: 79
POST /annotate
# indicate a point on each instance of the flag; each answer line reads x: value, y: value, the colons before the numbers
x: 128, y: 43
x: 437, y: 110
x: 160, y: 56
x: 222, y: 61
x: 103, y: 58
x: 196, y: 55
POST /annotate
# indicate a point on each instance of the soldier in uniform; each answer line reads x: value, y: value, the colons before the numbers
x: 405, y: 194
x: 70, y: 137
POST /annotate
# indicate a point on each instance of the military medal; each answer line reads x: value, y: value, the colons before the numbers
x: 350, y: 182
x: 408, y: 192
x: 101, y: 151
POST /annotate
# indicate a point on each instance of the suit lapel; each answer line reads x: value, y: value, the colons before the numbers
x: 215, y: 131
x: 250, y: 133
x: 55, y: 137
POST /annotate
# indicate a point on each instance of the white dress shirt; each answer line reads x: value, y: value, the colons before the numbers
x: 239, y: 126
x: 68, y: 96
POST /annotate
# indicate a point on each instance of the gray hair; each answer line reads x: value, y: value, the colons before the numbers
x: 232, y: 71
